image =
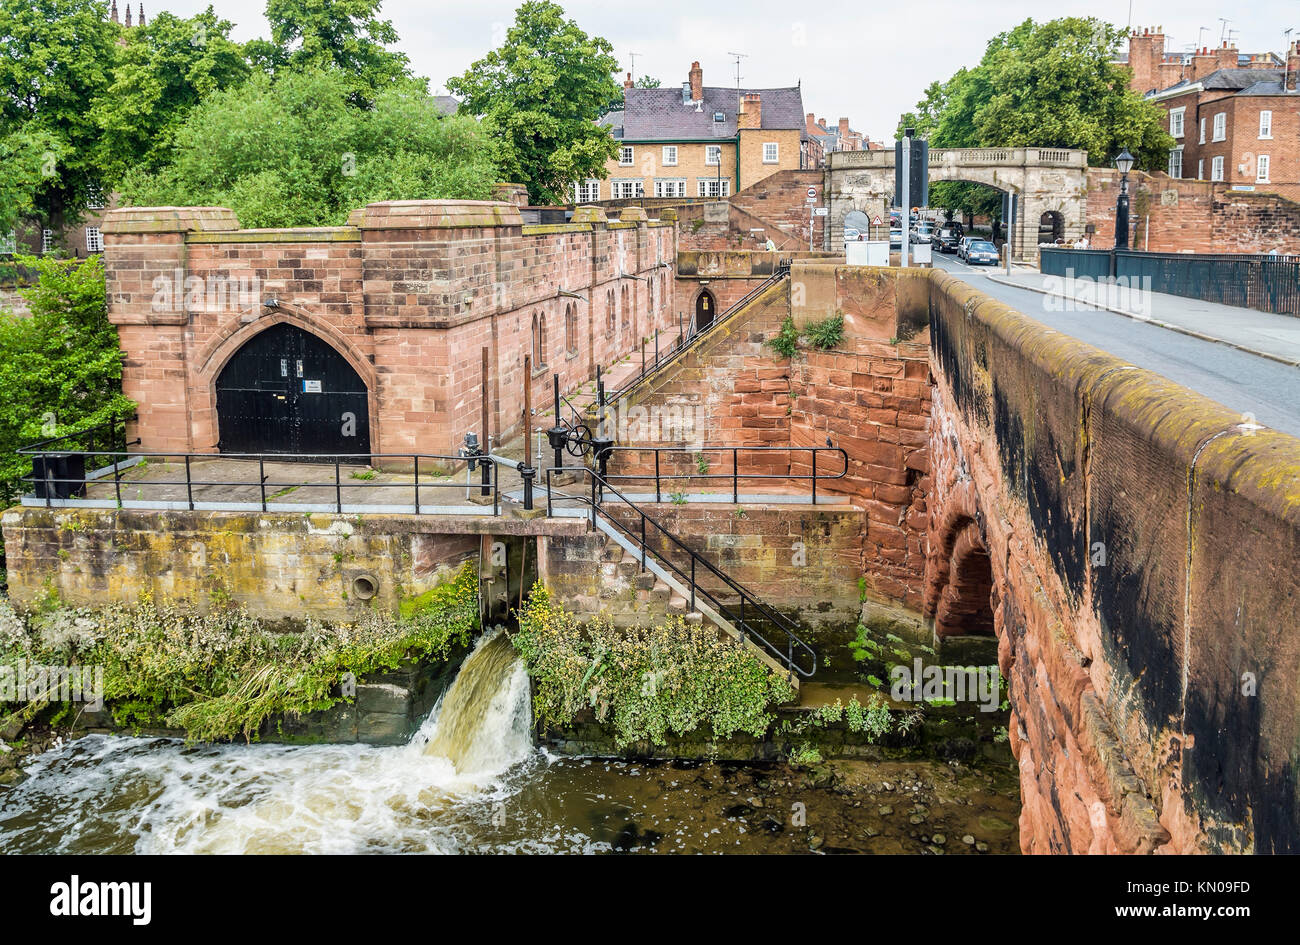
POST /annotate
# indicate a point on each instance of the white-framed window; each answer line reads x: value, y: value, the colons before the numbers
x: 714, y: 187
x: 622, y: 189
x: 95, y: 199
x: 586, y: 191
x: 1220, y: 126
x: 771, y: 152
x: 1202, y: 131
x: 1261, y: 169
x: 719, y: 116
x: 625, y: 156
x: 8, y: 243
x: 47, y: 241
x: 713, y: 154
x: 1176, y: 162
x: 94, y: 240
x: 1216, y: 168
x: 1266, y: 124
x: 670, y: 155
x: 1200, y: 169
x: 670, y: 187
x: 1176, y: 121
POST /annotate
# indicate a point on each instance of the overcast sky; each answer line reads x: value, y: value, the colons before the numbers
x: 866, y: 60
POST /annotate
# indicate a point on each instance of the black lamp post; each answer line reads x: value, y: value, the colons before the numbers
x: 1124, y: 164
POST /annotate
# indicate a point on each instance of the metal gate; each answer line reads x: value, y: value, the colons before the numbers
x: 288, y: 391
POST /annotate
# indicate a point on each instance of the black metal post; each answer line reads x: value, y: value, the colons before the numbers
x: 261, y: 479
x: 338, y: 490
x: 1121, y: 215
x: 189, y: 484
x: 814, y: 476
x: 657, y: 475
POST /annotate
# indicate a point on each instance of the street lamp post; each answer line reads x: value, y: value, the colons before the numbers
x: 1124, y: 164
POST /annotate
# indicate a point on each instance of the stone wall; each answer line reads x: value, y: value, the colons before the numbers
x: 277, y: 565
x: 1190, y: 216
x: 409, y: 292
x: 1141, y: 544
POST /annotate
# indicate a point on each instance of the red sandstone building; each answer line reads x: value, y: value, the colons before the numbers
x: 368, y: 338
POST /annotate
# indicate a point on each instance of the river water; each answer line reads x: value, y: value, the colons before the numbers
x: 471, y: 781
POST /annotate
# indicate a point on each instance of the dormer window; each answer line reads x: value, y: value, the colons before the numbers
x: 719, y: 116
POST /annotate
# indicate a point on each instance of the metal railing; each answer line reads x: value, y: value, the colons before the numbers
x: 743, y: 609
x: 735, y: 475
x: 683, y: 344
x: 1260, y: 281
x: 64, y: 475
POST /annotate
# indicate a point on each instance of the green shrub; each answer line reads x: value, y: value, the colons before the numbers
x: 223, y: 674
x: 644, y: 682
x: 786, y: 341
x: 827, y: 333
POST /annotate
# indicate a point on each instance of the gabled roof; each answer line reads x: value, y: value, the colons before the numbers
x: 662, y: 115
x: 446, y: 104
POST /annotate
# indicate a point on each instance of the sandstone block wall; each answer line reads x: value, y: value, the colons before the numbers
x: 409, y: 292
x: 1143, y: 545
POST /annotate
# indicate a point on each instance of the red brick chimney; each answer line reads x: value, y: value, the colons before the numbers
x: 627, y: 83
x: 751, y: 111
x: 1204, y: 61
x: 697, y: 82
x: 1226, y: 57
x: 1292, y: 66
x: 1145, y: 52
x: 844, y: 129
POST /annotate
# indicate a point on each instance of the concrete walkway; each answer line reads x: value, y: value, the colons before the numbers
x: 1276, y: 337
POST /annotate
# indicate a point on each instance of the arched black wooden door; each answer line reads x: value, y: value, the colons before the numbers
x: 704, y: 310
x: 288, y: 391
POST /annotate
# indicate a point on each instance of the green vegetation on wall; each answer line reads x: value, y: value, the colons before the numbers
x: 645, y: 683
x: 223, y: 674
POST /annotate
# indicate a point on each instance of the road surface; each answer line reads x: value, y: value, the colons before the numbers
x: 1242, y: 382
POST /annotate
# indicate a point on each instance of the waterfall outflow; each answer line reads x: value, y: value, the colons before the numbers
x: 420, y: 797
x: 482, y: 723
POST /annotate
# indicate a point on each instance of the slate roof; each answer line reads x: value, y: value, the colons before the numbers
x: 446, y: 104
x: 661, y: 115
x: 1231, y: 80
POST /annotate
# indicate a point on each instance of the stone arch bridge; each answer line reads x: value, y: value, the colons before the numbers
x: 1047, y: 180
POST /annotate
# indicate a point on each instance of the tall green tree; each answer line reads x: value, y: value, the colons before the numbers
x: 60, y: 368
x: 540, y: 93
x: 56, y: 57
x: 163, y: 70
x: 1051, y: 85
x: 345, y: 34
x: 296, y: 151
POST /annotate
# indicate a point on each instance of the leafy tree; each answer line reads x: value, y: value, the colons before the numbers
x: 28, y: 157
x: 56, y: 56
x: 61, y: 368
x: 540, y: 93
x: 163, y: 70
x: 1050, y: 85
x: 295, y: 151
x: 346, y: 34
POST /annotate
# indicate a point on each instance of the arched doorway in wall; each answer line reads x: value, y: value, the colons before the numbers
x: 1051, y: 227
x: 705, y: 309
x: 288, y: 391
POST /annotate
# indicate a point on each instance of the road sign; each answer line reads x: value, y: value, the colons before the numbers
x: 821, y: 211
x: 876, y: 221
x: 812, y: 193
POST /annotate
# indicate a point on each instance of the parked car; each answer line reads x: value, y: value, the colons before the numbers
x: 947, y: 240
x: 981, y: 252
x: 961, y: 247
x: 922, y: 233
x: 895, y: 239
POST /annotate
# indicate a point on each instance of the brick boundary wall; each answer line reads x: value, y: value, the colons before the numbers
x: 409, y: 292
x: 1188, y: 216
x: 1142, y: 544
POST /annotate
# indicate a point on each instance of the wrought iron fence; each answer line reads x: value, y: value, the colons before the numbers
x: 1260, y: 281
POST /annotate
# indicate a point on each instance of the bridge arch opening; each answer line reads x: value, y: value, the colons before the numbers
x: 1051, y: 226
x: 965, y: 604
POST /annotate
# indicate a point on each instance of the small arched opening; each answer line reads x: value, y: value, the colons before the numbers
x: 705, y: 309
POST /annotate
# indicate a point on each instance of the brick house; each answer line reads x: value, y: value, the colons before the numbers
x: 1235, y: 126
x: 699, y: 141
x: 1154, y: 67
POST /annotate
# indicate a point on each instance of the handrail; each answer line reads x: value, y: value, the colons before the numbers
x: 781, y: 271
x: 797, y: 653
x: 735, y: 475
x: 120, y: 460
